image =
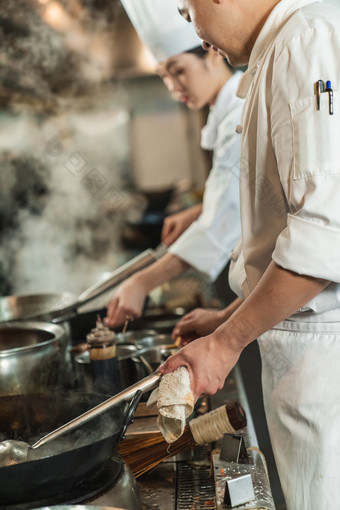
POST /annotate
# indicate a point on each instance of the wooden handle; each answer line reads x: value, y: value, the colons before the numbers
x: 236, y: 415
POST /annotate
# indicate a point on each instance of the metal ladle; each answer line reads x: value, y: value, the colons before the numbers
x: 13, y: 452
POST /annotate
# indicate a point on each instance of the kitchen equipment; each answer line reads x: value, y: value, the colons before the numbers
x: 162, y: 322
x: 104, y: 365
x: 154, y: 349
x: 59, y: 307
x: 132, y: 367
x: 65, y: 464
x: 143, y: 452
x: 32, y: 356
x: 135, y: 336
x: 20, y: 450
x: 142, y: 386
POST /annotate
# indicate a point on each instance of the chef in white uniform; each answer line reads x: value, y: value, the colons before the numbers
x: 208, y: 242
x: 290, y: 251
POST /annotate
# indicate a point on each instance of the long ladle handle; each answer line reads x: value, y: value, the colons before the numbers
x: 144, y: 385
x: 121, y: 274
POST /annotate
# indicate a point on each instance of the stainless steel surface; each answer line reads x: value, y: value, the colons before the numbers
x: 239, y: 490
x: 135, y: 336
x: 132, y: 366
x: 124, y: 494
x: 190, y: 494
x: 144, y: 385
x: 256, y: 469
x: 195, y: 486
x: 32, y: 305
x: 12, y: 452
x: 32, y: 356
x: 58, y: 307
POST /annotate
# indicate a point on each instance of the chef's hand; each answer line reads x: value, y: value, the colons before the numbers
x: 208, y: 360
x: 197, y: 323
x: 201, y: 322
x: 128, y: 301
x: 175, y: 224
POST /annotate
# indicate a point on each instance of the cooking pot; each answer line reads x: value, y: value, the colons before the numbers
x: 33, y: 356
x: 64, y: 463
x: 59, y: 307
x: 132, y: 367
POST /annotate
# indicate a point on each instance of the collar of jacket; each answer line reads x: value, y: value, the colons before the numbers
x: 218, y: 112
x: 276, y: 19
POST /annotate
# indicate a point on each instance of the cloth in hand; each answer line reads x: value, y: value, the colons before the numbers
x: 175, y: 402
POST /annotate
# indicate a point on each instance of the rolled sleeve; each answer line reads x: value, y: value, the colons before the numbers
x: 309, y: 248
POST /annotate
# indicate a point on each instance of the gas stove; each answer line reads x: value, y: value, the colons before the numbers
x: 109, y: 487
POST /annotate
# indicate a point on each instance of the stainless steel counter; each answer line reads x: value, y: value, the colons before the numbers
x: 185, y: 482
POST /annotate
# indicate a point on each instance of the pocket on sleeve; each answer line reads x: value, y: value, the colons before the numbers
x: 316, y: 136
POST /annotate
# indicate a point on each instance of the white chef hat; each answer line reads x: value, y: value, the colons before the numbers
x: 161, y: 27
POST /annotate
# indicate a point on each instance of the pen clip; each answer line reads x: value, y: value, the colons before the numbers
x: 319, y: 89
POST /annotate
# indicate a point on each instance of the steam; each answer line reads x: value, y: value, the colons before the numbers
x: 64, y: 147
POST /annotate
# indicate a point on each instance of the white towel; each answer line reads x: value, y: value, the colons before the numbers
x: 175, y: 402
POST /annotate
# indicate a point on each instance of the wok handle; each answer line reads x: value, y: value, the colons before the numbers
x: 130, y: 413
x: 144, y: 385
x: 123, y: 272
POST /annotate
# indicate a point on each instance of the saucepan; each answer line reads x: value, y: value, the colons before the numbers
x: 60, y: 307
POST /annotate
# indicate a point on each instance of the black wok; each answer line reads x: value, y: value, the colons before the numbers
x: 64, y: 463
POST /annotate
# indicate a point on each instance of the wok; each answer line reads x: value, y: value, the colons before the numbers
x: 59, y: 466
x: 60, y: 307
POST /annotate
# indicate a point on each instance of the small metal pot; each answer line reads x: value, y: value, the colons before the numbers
x: 33, y: 357
x: 132, y: 367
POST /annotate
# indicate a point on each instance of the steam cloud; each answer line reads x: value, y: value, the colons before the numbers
x: 64, y: 145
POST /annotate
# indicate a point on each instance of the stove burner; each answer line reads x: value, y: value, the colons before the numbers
x: 88, y: 489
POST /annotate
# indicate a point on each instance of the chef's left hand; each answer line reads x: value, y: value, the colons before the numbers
x: 208, y: 359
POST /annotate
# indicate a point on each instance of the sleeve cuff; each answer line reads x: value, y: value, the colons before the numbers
x: 309, y: 248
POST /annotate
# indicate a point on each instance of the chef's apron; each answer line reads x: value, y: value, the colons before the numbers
x: 301, y: 390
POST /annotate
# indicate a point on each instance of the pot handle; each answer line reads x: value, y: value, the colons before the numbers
x: 144, y: 385
x: 130, y: 413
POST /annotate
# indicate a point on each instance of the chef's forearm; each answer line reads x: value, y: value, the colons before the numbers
x: 161, y: 271
x: 279, y: 294
x: 230, y: 309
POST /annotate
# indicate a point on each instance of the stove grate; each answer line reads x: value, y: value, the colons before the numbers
x: 195, y: 487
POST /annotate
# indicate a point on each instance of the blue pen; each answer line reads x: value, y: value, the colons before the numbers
x: 330, y: 95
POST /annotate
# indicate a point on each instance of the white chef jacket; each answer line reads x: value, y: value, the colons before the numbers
x: 290, y: 162
x: 208, y: 242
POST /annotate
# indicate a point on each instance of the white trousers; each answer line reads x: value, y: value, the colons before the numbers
x: 301, y: 389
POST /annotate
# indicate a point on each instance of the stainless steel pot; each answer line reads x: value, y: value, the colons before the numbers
x: 132, y: 367
x: 33, y: 357
x: 60, y: 307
